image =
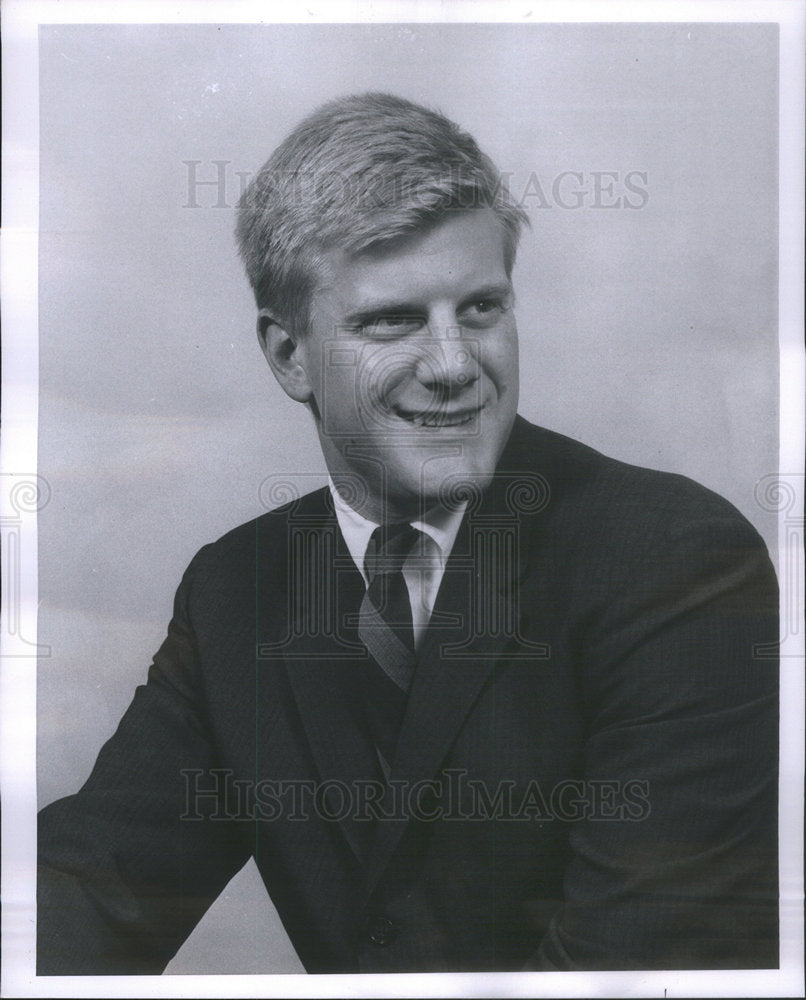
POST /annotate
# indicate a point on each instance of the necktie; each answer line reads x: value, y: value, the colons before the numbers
x: 385, y: 628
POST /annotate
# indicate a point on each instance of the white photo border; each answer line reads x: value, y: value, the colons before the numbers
x: 22, y: 494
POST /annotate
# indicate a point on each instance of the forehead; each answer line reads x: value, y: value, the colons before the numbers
x: 462, y: 253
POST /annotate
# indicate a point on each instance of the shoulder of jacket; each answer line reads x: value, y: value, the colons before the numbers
x: 580, y: 478
x: 265, y: 536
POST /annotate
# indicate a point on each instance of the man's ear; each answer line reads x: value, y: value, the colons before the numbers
x: 285, y: 358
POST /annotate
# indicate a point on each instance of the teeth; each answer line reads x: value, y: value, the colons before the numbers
x: 438, y: 420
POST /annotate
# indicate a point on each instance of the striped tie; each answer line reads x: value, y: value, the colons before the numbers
x: 385, y: 628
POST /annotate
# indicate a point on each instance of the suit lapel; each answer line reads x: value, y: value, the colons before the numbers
x: 342, y: 752
x: 322, y: 653
x: 474, y: 626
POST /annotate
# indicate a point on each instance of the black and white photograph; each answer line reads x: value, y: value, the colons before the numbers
x: 402, y: 501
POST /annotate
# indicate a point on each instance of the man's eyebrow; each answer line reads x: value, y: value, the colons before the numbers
x: 372, y: 310
x: 499, y: 289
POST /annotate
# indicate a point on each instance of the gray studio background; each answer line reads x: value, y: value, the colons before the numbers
x: 649, y: 333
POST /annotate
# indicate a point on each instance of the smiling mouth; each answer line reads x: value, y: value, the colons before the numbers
x: 440, y: 418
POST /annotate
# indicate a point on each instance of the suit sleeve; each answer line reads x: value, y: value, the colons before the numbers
x: 677, y: 865
x: 125, y: 868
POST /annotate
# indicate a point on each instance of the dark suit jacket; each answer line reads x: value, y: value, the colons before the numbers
x: 586, y: 777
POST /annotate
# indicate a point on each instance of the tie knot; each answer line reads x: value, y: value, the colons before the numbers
x: 392, y: 545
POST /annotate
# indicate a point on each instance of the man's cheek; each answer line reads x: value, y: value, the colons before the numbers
x: 341, y: 402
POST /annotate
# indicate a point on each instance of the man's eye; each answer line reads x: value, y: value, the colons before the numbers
x: 382, y: 327
x: 483, y: 311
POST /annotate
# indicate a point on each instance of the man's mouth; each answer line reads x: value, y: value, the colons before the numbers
x: 440, y: 418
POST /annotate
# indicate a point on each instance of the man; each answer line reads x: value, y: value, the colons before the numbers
x: 490, y: 700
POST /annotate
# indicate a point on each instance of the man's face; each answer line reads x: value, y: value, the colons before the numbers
x: 412, y: 360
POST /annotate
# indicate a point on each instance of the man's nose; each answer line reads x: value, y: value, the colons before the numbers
x: 448, y: 359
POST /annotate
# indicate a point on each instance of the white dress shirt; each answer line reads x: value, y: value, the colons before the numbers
x: 423, y: 569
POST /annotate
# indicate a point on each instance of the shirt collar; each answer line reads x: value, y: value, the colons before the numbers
x: 439, y: 524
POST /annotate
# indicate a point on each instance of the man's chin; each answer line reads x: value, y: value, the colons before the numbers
x: 448, y: 487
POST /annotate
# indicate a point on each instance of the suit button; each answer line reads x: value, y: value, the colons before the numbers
x: 381, y: 931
